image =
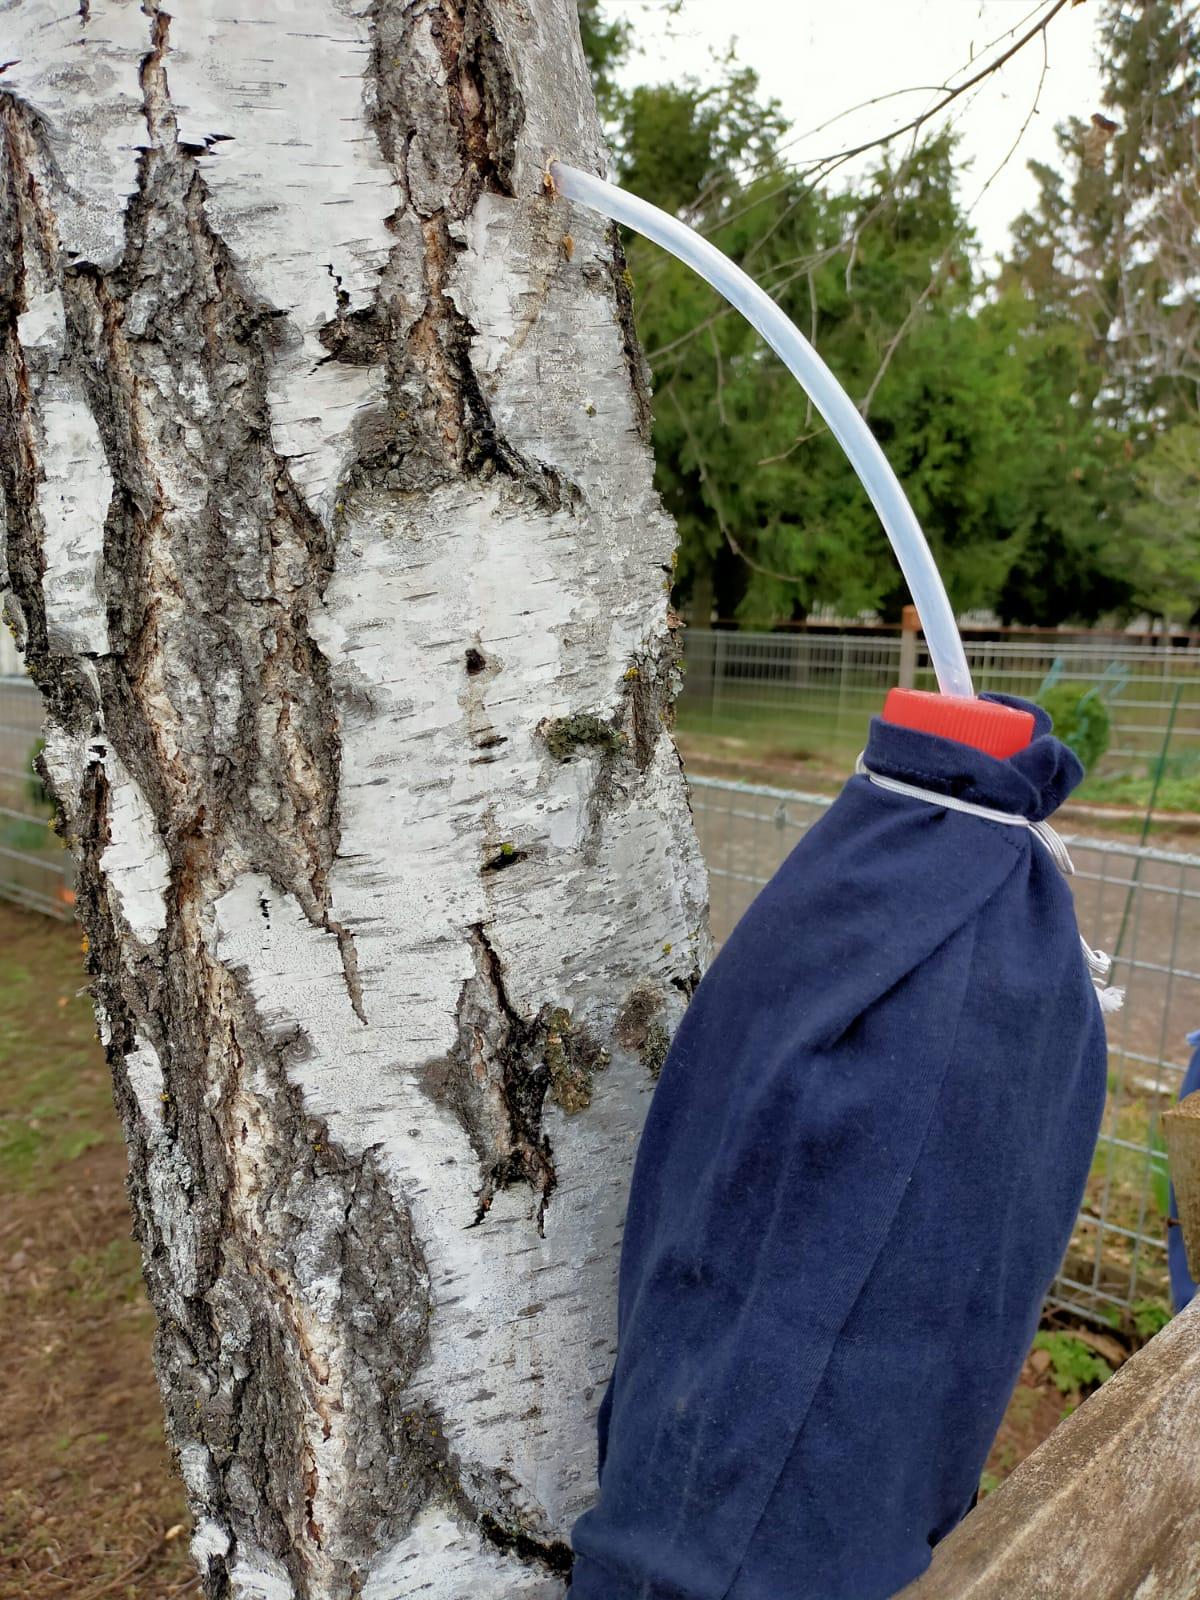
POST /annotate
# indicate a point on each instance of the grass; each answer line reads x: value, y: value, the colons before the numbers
x: 55, y: 1098
x: 822, y: 729
x: 89, y: 1505
x: 1175, y: 793
x: 1128, y: 1188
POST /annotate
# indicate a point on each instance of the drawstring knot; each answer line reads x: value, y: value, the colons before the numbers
x: 1098, y: 963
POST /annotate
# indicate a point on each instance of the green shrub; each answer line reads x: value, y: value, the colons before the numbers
x: 1080, y: 720
x: 1149, y: 1317
x: 1073, y: 1366
x: 1131, y: 789
x: 25, y: 835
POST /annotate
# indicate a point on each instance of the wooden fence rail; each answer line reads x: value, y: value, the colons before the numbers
x: 1109, y: 1507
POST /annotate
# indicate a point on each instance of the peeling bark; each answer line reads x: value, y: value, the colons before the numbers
x: 332, y: 547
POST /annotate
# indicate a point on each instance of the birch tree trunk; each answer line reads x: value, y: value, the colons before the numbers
x: 332, y: 546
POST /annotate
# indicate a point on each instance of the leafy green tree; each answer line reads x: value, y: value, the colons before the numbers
x: 1105, y: 263
x: 1068, y: 474
x: 1040, y: 420
x: 606, y: 44
x: 1161, y: 533
x: 1139, y: 206
x: 883, y: 279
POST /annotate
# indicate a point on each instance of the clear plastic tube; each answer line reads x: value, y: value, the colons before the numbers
x: 831, y: 400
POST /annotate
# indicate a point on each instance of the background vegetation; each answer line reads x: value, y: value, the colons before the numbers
x: 1043, y: 412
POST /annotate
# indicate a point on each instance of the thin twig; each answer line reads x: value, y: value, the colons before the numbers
x: 836, y: 158
x: 994, y: 66
x: 896, y: 340
x: 716, y: 350
x: 1024, y: 128
x: 125, y: 1572
x: 814, y: 315
x: 864, y: 405
x: 801, y: 438
x: 188, y: 1586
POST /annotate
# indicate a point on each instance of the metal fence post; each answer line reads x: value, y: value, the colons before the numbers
x: 843, y: 673
x: 910, y: 623
x: 718, y: 675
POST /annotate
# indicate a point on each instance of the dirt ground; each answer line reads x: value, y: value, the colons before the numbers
x: 90, y: 1509
x: 88, y: 1505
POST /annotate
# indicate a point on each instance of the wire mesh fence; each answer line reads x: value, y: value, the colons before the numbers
x: 35, y: 869
x: 813, y: 694
x: 1141, y: 903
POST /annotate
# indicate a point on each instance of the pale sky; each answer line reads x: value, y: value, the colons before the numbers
x: 820, y: 57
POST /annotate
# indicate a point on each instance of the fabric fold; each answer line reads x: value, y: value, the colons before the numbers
x: 858, y: 1176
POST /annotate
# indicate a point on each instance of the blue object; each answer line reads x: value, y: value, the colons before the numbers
x: 859, y: 1175
x: 1183, y: 1285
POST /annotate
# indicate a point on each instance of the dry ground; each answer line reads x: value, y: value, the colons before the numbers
x: 88, y: 1505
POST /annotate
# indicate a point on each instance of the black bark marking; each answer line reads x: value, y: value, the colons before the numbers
x: 507, y: 856
x: 651, y: 685
x: 635, y: 360
x: 497, y: 1080
x: 439, y: 420
x: 553, y: 1555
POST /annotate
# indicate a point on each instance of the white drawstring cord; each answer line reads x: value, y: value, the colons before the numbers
x: 1099, y: 964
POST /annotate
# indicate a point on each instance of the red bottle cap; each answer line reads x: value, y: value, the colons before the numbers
x: 996, y: 730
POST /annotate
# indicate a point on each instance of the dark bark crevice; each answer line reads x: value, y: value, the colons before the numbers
x: 440, y: 425
x: 481, y: 106
x: 496, y: 1084
x: 30, y: 246
x: 635, y: 360
x: 554, y: 1554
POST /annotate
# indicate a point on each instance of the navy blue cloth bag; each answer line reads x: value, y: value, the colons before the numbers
x: 1183, y: 1285
x: 859, y: 1174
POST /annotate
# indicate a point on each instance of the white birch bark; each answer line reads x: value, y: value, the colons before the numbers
x: 332, y: 545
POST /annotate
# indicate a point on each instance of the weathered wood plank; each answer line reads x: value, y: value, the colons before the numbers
x: 1108, y: 1508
